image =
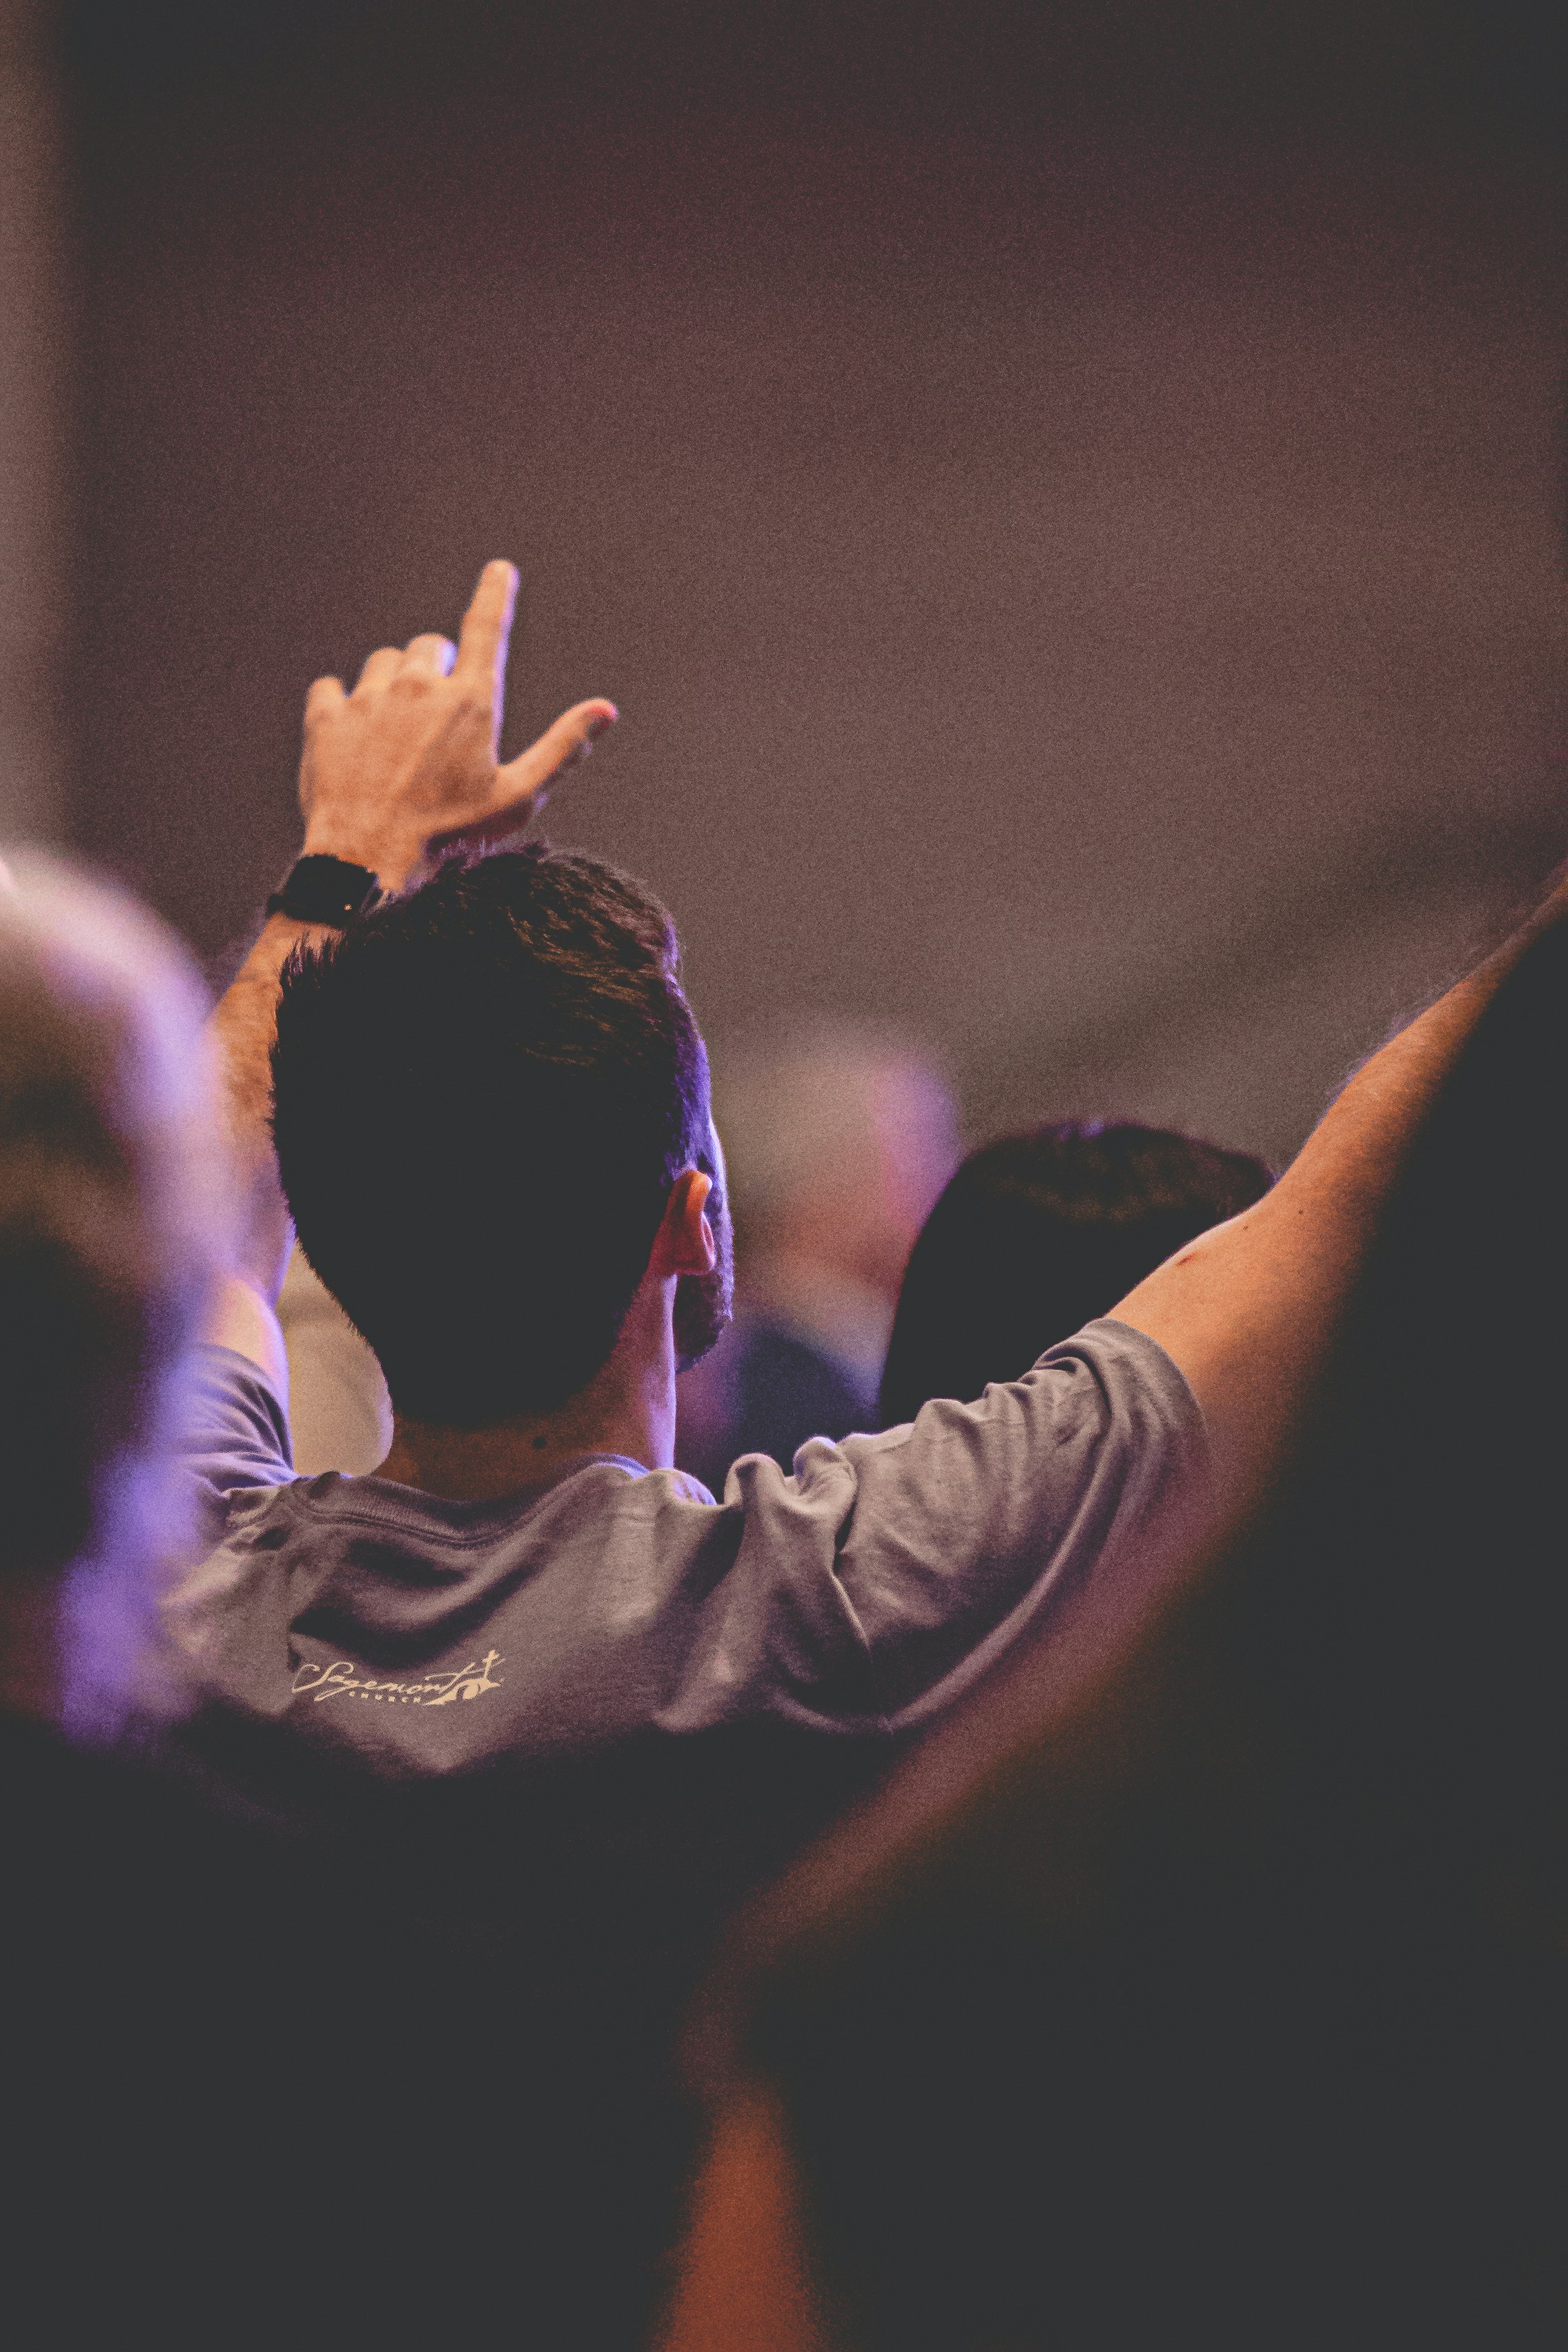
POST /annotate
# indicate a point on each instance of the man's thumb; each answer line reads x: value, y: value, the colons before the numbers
x: 570, y: 739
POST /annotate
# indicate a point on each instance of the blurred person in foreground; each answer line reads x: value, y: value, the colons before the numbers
x: 599, y: 1704
x: 836, y: 1141
x: 1037, y: 1235
x: 147, y: 1935
x: 1214, y: 1988
x: 112, y: 1209
x: 187, y: 1988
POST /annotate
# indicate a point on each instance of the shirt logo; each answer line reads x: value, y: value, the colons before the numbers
x: 341, y: 1681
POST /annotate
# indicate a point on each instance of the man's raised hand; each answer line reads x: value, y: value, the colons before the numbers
x: 404, y: 767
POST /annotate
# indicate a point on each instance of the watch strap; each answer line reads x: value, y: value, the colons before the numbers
x: 325, y: 890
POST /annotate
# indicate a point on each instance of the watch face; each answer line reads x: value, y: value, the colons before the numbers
x: 325, y: 890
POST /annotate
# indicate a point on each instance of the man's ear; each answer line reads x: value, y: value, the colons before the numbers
x: 684, y: 1243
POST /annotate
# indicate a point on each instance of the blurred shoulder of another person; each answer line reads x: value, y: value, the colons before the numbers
x: 1040, y: 1234
x: 1215, y: 1978
x: 837, y: 1139
x: 339, y: 1415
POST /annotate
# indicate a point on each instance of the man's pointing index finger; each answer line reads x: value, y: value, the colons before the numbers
x: 486, y: 627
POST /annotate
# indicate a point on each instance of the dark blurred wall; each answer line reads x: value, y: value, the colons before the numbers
x: 34, y: 405
x: 1069, y: 502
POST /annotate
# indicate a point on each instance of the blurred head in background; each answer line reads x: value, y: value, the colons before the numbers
x: 839, y: 1139
x: 1038, y: 1234
x: 111, y: 1221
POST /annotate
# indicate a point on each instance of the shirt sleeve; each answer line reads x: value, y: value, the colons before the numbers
x: 951, y: 1537
x: 233, y: 1429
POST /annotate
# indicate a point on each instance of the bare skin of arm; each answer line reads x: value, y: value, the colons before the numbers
x: 242, y: 1315
x: 394, y: 774
x: 744, y: 2283
x: 1248, y: 1310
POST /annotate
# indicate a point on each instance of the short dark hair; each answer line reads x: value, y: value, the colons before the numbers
x: 483, y: 1093
x: 1039, y: 1234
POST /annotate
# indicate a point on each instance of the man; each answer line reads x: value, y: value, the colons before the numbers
x: 493, y: 1117
x: 492, y: 1124
x: 554, y: 1708
x: 596, y: 1695
x: 493, y: 1114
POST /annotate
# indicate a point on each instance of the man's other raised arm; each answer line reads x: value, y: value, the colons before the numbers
x: 1248, y: 1311
x: 393, y: 775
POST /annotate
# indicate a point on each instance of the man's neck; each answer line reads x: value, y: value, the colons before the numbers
x: 480, y: 1465
x: 627, y: 1408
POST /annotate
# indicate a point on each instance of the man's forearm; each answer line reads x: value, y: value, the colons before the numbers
x: 1249, y: 1311
x: 243, y: 1028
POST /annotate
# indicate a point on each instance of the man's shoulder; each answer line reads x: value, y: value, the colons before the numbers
x: 593, y: 1491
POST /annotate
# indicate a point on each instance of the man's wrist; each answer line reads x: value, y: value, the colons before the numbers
x: 322, y: 890
x: 392, y: 863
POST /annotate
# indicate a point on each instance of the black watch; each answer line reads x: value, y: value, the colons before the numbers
x: 325, y: 890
